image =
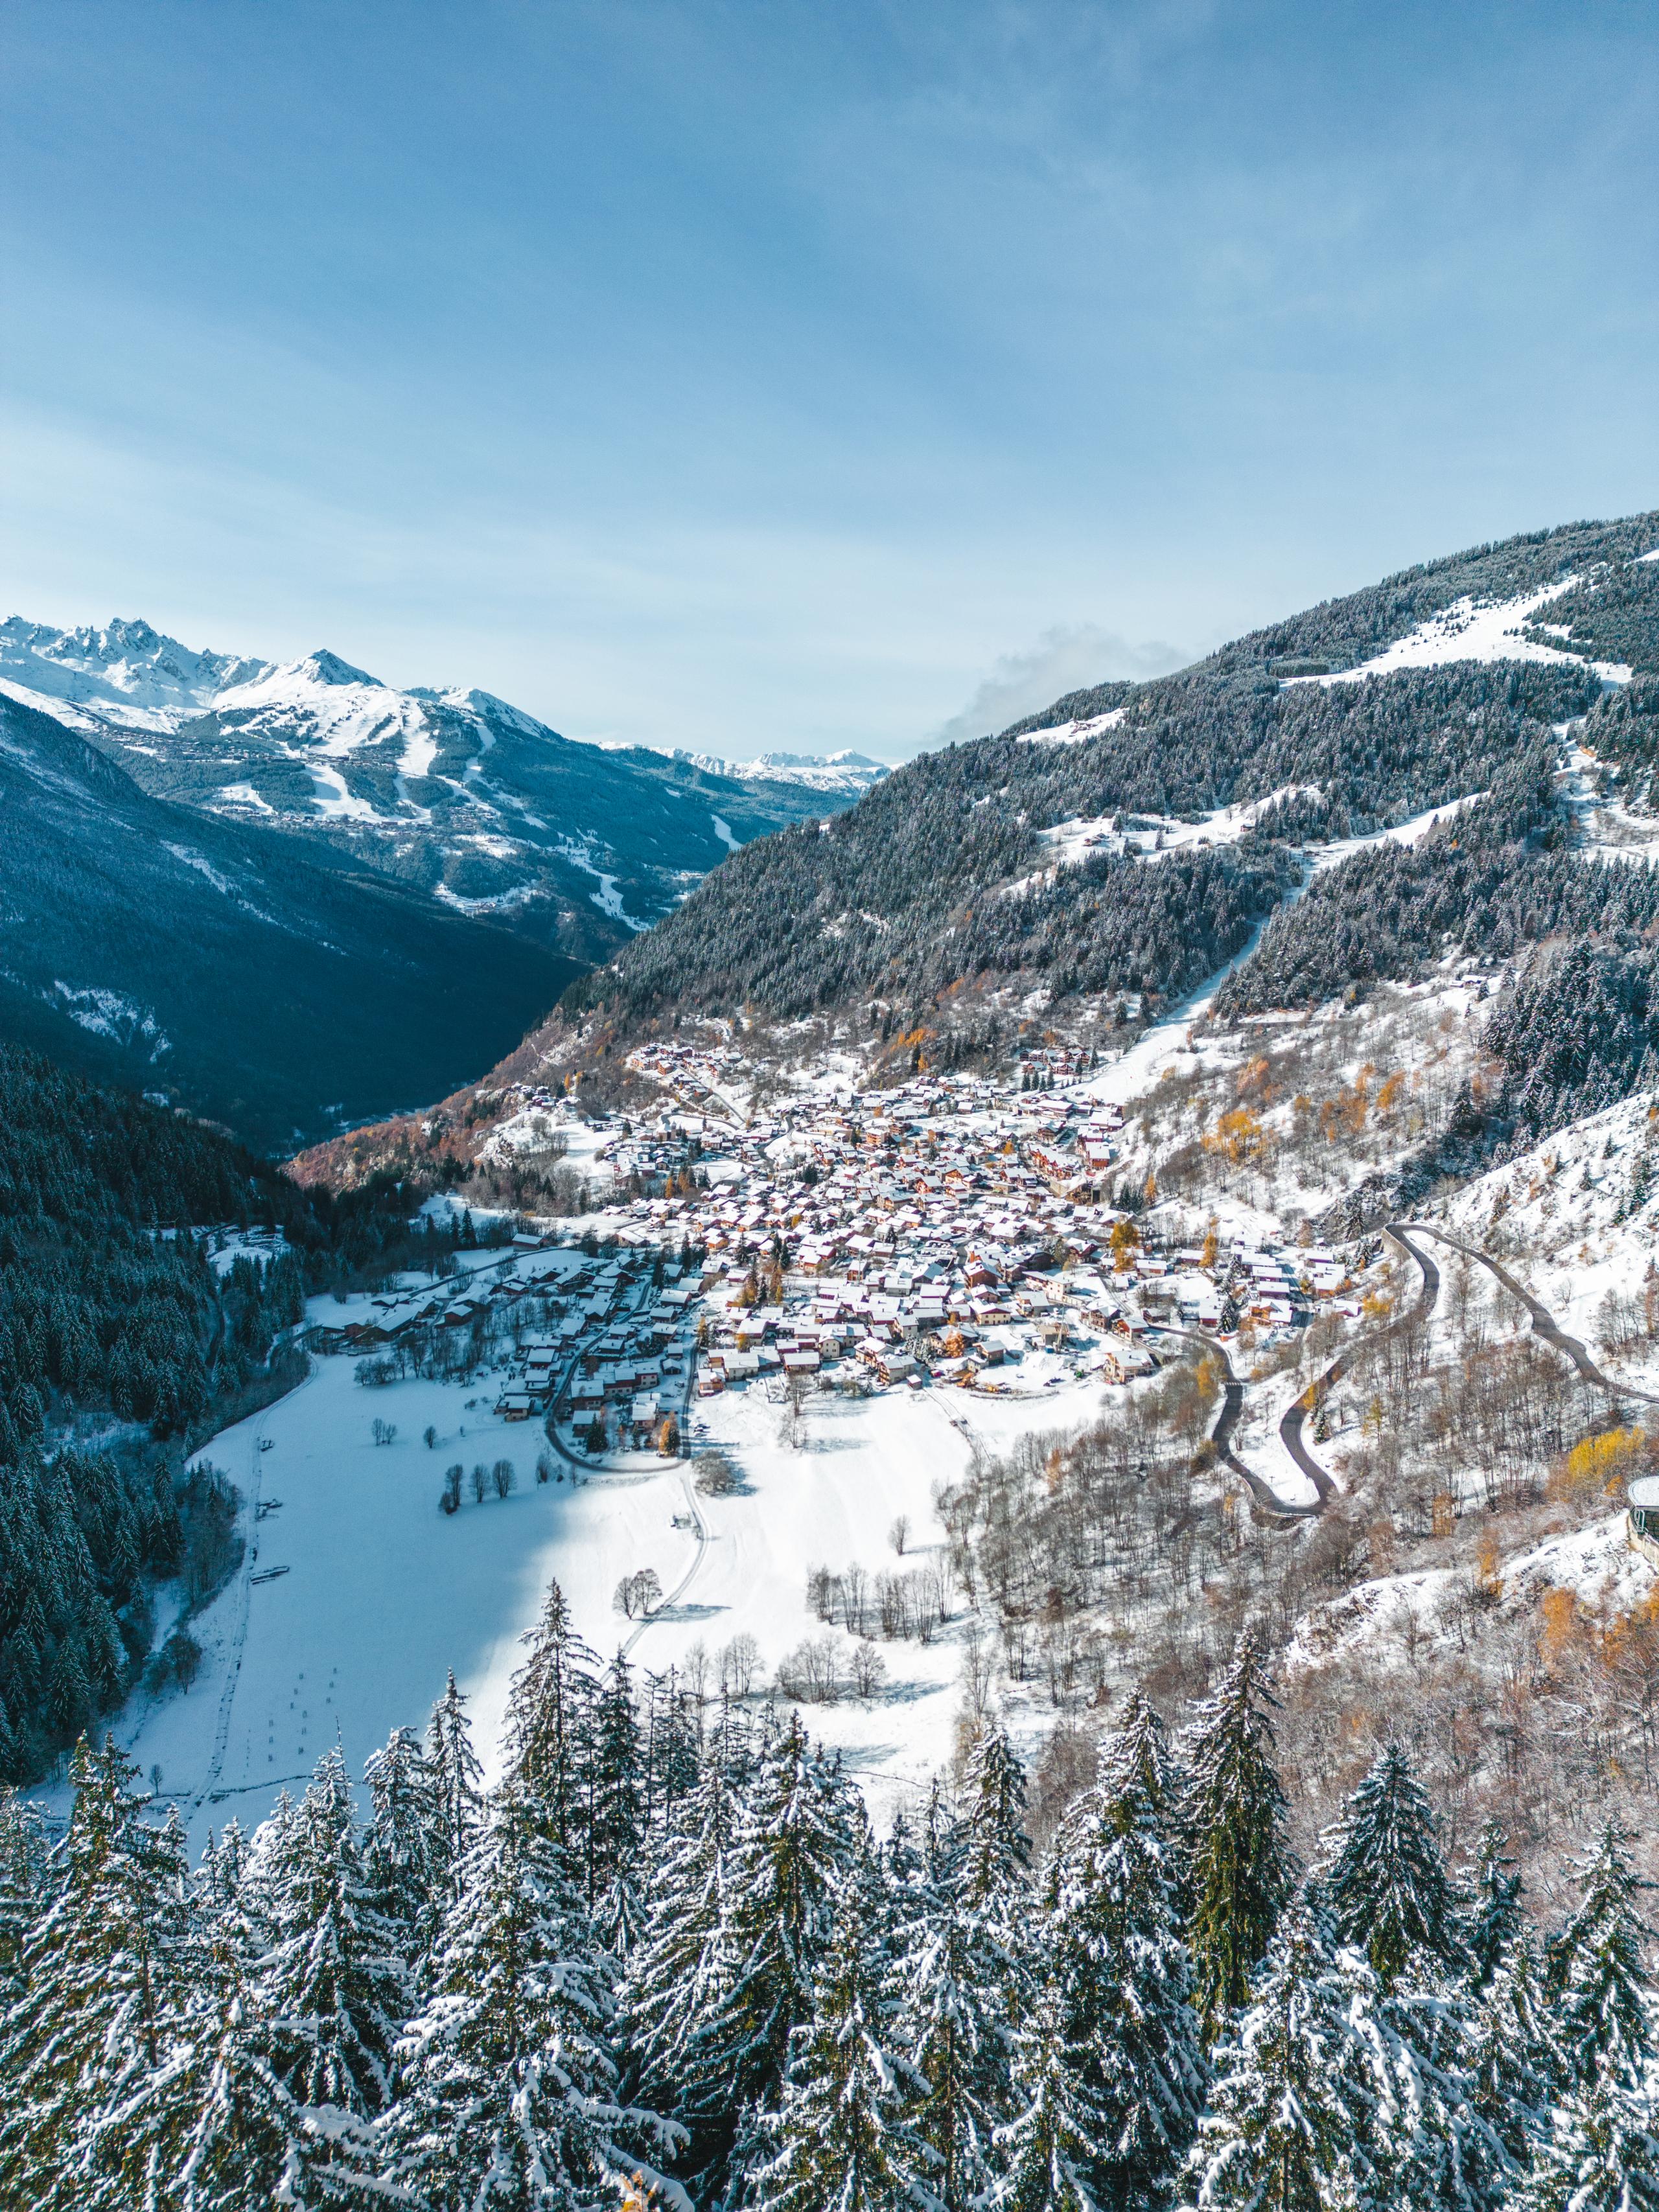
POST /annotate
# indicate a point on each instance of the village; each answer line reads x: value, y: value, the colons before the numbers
x: 951, y: 1232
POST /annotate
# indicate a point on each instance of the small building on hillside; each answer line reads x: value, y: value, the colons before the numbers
x: 1643, y: 1517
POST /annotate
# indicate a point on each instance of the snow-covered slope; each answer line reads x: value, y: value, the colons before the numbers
x: 844, y: 774
x: 1478, y: 629
x: 450, y: 790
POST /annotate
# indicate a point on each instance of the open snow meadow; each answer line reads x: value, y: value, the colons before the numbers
x: 358, y: 1596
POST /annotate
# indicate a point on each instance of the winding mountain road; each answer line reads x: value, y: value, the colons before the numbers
x: 1232, y: 1407
x: 1544, y: 1324
x: 1290, y: 1428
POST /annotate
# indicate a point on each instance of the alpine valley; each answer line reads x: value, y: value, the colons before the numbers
x: 1078, y: 1322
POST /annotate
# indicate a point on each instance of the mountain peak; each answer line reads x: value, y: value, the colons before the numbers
x: 326, y: 667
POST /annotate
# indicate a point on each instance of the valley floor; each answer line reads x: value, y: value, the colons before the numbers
x: 374, y: 1595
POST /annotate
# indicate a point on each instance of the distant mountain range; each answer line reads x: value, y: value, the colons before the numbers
x: 453, y: 793
x: 275, y: 986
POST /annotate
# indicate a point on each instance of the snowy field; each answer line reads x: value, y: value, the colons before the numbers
x: 380, y: 1593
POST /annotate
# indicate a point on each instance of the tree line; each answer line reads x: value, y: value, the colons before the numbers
x: 113, y: 1313
x: 666, y: 1960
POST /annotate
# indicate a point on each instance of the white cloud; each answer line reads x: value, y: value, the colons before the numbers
x: 1062, y: 660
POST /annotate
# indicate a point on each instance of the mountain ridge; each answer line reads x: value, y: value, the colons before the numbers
x: 275, y: 988
x: 1078, y: 870
x: 452, y: 792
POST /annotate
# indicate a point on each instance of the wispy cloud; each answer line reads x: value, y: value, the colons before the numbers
x: 1061, y: 661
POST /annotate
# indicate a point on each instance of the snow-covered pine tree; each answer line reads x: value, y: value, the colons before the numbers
x: 800, y: 1829
x: 678, y: 1974
x: 993, y: 1848
x: 105, y: 1970
x: 458, y: 1808
x: 1384, y: 1881
x: 1291, y: 2119
x: 1603, y: 2153
x: 672, y: 1763
x: 509, y: 2095
x: 840, y: 2139
x: 217, y: 1883
x: 1438, y: 2150
x: 213, y: 2128
x: 1119, y: 1986
x: 615, y: 1820
x: 550, y: 1727
x: 23, y: 1886
x: 1239, y: 1870
x: 961, y: 1986
x: 1141, y: 1756
x: 1603, y: 1995
x: 1514, y: 2065
x: 333, y: 1985
x: 402, y: 1866
x: 1495, y: 1916
x: 1049, y: 2150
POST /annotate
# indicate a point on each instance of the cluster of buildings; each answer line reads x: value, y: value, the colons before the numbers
x: 954, y: 1228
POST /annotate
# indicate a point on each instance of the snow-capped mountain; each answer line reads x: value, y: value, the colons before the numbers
x: 275, y: 986
x: 453, y: 791
x: 843, y: 772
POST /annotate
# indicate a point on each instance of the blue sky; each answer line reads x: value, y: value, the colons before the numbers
x: 748, y: 374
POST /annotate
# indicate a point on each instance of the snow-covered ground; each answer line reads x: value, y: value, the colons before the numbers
x: 1475, y: 629
x: 358, y: 1594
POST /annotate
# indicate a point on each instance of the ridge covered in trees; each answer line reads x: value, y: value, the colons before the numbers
x: 664, y: 1960
x: 120, y: 1342
x: 939, y: 882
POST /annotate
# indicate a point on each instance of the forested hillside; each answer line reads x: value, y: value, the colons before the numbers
x: 942, y: 880
x: 119, y: 1338
x: 276, y: 987
x: 666, y: 1960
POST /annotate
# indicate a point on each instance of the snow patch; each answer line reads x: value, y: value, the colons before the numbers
x: 1475, y: 629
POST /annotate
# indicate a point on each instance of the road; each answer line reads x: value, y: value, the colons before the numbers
x: 1544, y: 1324
x: 1290, y: 1428
x: 1232, y: 1407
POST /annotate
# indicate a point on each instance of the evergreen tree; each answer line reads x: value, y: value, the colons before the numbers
x: 332, y: 1985
x: 1291, y: 2121
x: 798, y: 1833
x: 1384, y: 1883
x: 1240, y: 1870
x: 994, y: 1848
x: 1604, y: 2004
x: 218, y: 1883
x: 1119, y: 1986
x: 456, y: 1782
x: 1496, y: 1918
x: 549, y: 1726
x: 1603, y: 2155
x: 672, y: 1763
x: 510, y: 2080
x: 677, y: 1975
x: 616, y: 1811
x: 1439, y: 2149
x: 1514, y: 2064
x: 104, y: 1970
x: 22, y: 1887
x: 213, y: 2128
x: 841, y: 2138
x: 962, y: 1986
x: 1049, y: 2150
x: 403, y: 1867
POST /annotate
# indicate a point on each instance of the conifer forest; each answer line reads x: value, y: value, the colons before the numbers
x: 663, y: 1958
